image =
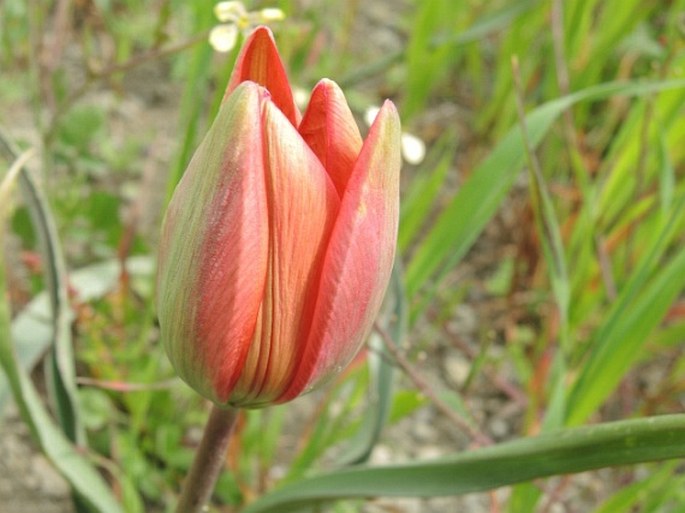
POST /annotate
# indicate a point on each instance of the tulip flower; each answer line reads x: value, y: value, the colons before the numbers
x: 279, y: 240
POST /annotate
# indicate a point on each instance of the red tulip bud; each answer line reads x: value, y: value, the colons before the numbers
x: 279, y: 240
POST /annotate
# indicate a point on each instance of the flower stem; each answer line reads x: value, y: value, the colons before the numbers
x: 208, y: 462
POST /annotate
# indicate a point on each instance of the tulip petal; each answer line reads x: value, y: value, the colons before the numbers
x: 329, y: 129
x: 358, y: 260
x: 303, y: 206
x: 260, y: 62
x: 213, y: 255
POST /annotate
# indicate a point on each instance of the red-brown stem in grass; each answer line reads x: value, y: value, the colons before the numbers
x: 605, y: 267
x: 494, y: 502
x: 209, y: 460
x: 508, y: 388
x: 646, y: 145
x: 554, y: 495
x: 479, y: 438
x: 563, y: 81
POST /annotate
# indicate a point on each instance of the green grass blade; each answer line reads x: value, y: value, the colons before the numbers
x: 32, y: 328
x: 558, y: 452
x: 464, y: 218
x: 61, y: 376
x: 487, y: 25
x: 630, y: 497
x: 194, y: 101
x: 380, y: 396
x: 632, y: 318
x: 81, y: 475
x: 426, y: 62
x: 419, y: 202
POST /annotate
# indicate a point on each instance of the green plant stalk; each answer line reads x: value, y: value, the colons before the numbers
x: 208, y: 461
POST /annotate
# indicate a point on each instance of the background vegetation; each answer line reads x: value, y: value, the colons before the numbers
x: 541, y: 269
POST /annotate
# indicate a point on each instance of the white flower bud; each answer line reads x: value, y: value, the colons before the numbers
x: 223, y: 38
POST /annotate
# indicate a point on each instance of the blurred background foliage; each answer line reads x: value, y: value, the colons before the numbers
x: 541, y: 243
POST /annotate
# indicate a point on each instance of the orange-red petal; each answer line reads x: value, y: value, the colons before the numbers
x: 303, y: 206
x: 329, y: 129
x: 358, y: 260
x: 260, y: 62
x: 214, y: 251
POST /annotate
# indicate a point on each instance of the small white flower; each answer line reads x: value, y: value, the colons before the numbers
x: 271, y: 14
x: 223, y: 37
x: 235, y: 18
x: 413, y: 149
x: 370, y: 114
x: 230, y: 11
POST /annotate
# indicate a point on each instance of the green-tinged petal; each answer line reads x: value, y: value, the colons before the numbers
x: 260, y: 62
x: 303, y: 206
x: 358, y: 260
x: 213, y: 254
x: 329, y: 129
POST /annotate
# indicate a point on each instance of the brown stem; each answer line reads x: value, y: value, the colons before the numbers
x: 208, y: 462
x: 479, y: 438
x: 108, y: 71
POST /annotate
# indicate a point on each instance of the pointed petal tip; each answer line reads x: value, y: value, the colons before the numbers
x: 386, y: 131
x: 388, y: 113
x: 261, y: 35
x: 247, y: 87
x: 329, y: 128
x: 263, y: 30
x: 326, y: 83
x: 326, y: 89
x: 260, y: 62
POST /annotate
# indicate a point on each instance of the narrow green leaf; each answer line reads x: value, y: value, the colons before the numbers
x: 425, y: 61
x: 557, y: 452
x: 193, y: 101
x: 620, y: 340
x: 523, y: 498
x: 464, y: 218
x: 81, y: 475
x: 484, y: 27
x: 423, y: 191
x: 32, y: 328
x: 552, y: 245
x: 61, y: 374
x: 380, y: 395
x: 667, y: 175
x: 629, y: 498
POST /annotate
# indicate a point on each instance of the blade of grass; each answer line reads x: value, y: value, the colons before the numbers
x: 486, y: 26
x: 545, y: 219
x: 632, y: 496
x: 32, y: 328
x: 553, y: 253
x: 81, y: 475
x: 426, y: 62
x: 629, y: 148
x: 418, y: 203
x: 640, y: 308
x: 557, y: 452
x: 61, y: 375
x: 380, y: 394
x: 464, y: 218
x: 194, y: 99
